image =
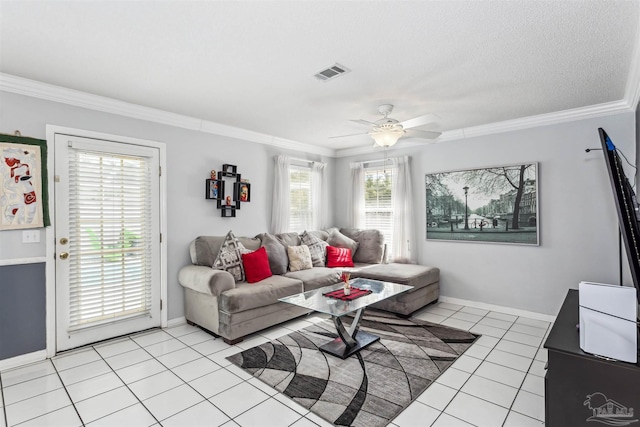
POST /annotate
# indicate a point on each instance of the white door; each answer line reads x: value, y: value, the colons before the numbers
x: 107, y: 214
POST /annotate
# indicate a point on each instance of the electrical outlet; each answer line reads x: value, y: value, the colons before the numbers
x: 31, y: 236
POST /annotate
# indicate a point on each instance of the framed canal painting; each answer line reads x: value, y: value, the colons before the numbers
x: 489, y: 205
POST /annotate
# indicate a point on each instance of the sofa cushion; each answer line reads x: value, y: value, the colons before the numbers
x: 288, y: 239
x: 230, y: 257
x: 299, y: 258
x: 317, y: 248
x: 256, y: 265
x: 316, y: 277
x: 339, y: 257
x: 246, y: 296
x: 339, y: 240
x: 320, y: 234
x: 205, y: 249
x: 276, y: 252
x: 370, y: 244
x: 405, y: 274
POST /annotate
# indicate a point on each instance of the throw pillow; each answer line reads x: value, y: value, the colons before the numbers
x: 256, y: 265
x: 230, y: 257
x: 317, y: 248
x: 299, y: 258
x: 370, y: 244
x: 339, y: 257
x: 276, y: 252
x: 339, y: 240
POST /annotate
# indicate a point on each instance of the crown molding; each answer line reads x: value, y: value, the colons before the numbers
x: 32, y: 88
x: 36, y: 89
x: 547, y: 119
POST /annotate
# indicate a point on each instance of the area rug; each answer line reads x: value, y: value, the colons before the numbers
x: 369, y: 388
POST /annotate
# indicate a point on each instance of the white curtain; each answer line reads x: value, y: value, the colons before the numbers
x: 402, y: 202
x: 280, y: 206
x: 355, y: 202
x: 319, y: 196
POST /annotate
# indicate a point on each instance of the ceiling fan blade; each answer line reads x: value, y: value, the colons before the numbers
x: 345, y: 136
x: 363, y: 123
x: 419, y: 121
x: 426, y: 134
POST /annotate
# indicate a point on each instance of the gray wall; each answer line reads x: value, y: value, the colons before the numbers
x: 22, y: 309
x: 578, y: 225
x: 190, y: 157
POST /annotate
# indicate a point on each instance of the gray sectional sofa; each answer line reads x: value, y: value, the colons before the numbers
x: 232, y: 310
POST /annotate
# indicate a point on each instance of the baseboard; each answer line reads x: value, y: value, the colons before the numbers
x: 502, y: 309
x: 23, y: 359
x: 176, y: 322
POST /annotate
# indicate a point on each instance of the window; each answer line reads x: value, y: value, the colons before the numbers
x: 300, y: 198
x: 110, y: 233
x: 378, y: 209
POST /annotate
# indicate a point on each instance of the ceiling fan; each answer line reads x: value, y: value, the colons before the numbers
x: 386, y: 131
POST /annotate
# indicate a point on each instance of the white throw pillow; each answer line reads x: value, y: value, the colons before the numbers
x: 299, y: 258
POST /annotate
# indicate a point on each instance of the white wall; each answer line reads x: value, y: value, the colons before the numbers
x: 190, y: 157
x: 578, y: 222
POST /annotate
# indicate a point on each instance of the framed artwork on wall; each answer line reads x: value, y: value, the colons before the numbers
x: 489, y: 205
x: 23, y: 197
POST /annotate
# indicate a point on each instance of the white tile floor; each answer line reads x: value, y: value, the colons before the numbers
x: 180, y: 377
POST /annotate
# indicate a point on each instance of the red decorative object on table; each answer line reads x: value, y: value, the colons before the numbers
x: 355, y: 293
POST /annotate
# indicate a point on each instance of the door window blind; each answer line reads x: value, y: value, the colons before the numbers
x: 300, y: 198
x: 378, y: 209
x: 109, y: 237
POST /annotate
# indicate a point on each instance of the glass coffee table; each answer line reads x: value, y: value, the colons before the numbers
x: 350, y: 340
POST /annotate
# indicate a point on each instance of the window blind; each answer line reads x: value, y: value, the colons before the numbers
x: 300, y: 199
x: 378, y: 209
x: 109, y: 237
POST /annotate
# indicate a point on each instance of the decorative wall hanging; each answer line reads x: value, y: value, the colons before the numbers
x: 23, y: 183
x: 215, y: 190
x: 497, y: 205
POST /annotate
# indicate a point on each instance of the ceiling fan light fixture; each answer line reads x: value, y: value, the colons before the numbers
x: 386, y: 137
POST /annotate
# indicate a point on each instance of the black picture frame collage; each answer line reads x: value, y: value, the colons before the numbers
x: 215, y: 189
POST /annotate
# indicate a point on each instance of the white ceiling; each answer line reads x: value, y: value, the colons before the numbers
x: 251, y: 64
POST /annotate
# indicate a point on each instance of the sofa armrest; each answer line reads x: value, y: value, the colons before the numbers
x: 206, y: 280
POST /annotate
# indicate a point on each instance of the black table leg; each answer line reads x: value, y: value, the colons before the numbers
x: 350, y: 340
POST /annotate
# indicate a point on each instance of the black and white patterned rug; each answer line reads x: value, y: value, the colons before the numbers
x: 369, y: 388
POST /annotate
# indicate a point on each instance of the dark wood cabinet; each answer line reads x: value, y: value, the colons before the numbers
x: 582, y: 389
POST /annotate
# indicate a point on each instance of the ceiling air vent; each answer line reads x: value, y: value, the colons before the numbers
x: 332, y: 72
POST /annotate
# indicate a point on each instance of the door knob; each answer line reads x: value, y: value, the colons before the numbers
x: 64, y: 255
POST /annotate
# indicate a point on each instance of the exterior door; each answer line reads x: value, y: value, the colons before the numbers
x: 107, y: 217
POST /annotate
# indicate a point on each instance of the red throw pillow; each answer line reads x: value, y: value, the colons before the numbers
x: 256, y: 265
x: 339, y: 257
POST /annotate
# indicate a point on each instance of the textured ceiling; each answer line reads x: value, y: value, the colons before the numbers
x: 250, y: 64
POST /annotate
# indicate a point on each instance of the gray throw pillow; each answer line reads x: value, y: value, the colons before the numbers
x: 276, y: 252
x: 370, y: 244
x: 317, y: 248
x: 230, y: 257
x: 339, y: 240
x: 288, y: 239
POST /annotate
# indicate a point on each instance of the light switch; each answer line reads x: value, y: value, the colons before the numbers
x: 31, y: 236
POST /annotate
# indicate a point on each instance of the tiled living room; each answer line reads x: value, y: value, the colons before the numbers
x: 454, y: 159
x: 180, y: 376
